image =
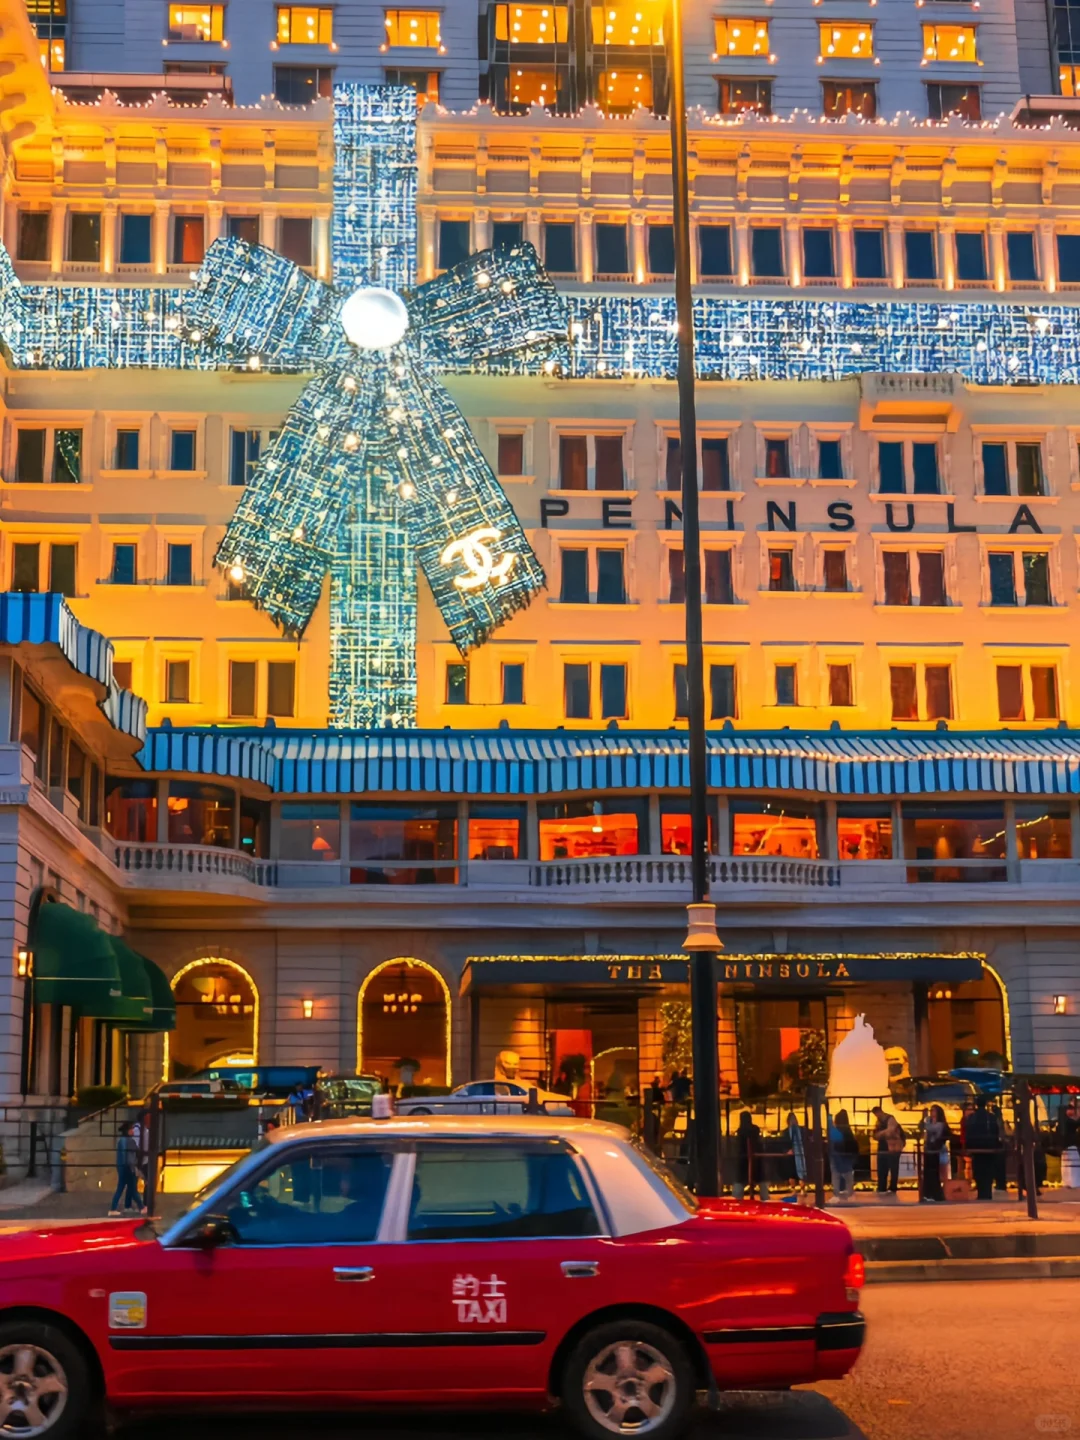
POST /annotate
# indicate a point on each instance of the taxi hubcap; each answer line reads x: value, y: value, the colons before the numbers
x: 630, y: 1388
x: 33, y: 1390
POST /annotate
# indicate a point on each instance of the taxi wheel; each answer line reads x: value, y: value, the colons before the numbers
x: 44, y: 1382
x: 628, y: 1378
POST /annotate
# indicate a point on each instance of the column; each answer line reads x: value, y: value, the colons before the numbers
x: 108, y: 238
x: 947, y: 254
x: 639, y: 257
x: 159, y: 244
x: 11, y: 228
x: 896, y: 254
x: 794, y: 257
x: 425, y: 247
x: 215, y: 214
x: 845, y: 254
x: 742, y: 249
x: 268, y: 227
x: 532, y: 230
x: 998, y: 269
x: 1048, y: 255
x: 58, y: 236
x: 324, y: 262
x: 481, y: 229
x: 163, y: 812
x: 586, y: 257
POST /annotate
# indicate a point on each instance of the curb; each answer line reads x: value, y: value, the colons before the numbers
x: 893, y: 1272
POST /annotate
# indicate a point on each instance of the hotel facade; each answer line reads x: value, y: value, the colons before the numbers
x: 886, y: 250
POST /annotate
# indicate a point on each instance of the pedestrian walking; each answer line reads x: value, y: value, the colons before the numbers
x: 127, y: 1172
x: 982, y: 1142
x: 843, y: 1152
x: 890, y: 1141
x: 749, y: 1161
x: 936, y: 1137
x: 680, y: 1087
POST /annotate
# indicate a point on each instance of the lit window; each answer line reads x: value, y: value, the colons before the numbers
x: 742, y: 37
x: 1069, y: 79
x: 196, y: 22
x: 628, y: 25
x: 531, y: 24
x: 949, y: 42
x: 418, y: 28
x: 53, y: 53
x: 305, y: 25
x: 424, y: 82
x: 532, y: 87
x: 846, y: 42
x: 621, y: 91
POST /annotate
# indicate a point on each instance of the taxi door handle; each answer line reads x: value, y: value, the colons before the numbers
x: 580, y: 1269
x: 353, y: 1272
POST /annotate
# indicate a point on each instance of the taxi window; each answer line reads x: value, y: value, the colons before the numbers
x: 312, y: 1198
x: 495, y: 1192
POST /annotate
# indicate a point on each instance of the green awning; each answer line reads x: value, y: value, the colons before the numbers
x: 133, y: 1007
x: 158, y: 1008
x: 74, y: 962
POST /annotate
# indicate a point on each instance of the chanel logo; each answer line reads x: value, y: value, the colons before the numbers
x: 481, y: 567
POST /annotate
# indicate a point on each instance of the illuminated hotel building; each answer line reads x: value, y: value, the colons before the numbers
x: 888, y: 427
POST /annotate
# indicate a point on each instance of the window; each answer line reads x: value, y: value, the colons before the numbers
x: 830, y: 460
x: 124, y: 565
x: 767, y: 252
x: 676, y: 577
x: 578, y: 829
x: 722, y: 692
x: 200, y: 814
x: 300, y: 84
x: 869, y: 254
x: 179, y: 568
x: 610, y: 577
x: 531, y: 86
x: 949, y: 42
x: 611, y: 251
x: 420, y: 835
x: 1002, y: 577
x: 1036, y: 566
x: 84, y: 239
x: 424, y: 82
x: 818, y: 254
x: 738, y: 94
x: 937, y: 682
x: 513, y: 683
x: 1044, y: 698
x: 507, y: 233
x: 714, y: 252
x: 971, y: 256
x: 25, y: 567
x: 945, y: 100
x: 954, y: 831
x: 310, y: 832
x: 294, y: 239
x: 496, y: 832
x: 532, y: 24
x: 613, y: 692
x: 62, y: 570
x: 1068, y: 75
x: 131, y: 808
x: 30, y: 457
x: 182, y: 450
x: 511, y: 459
x: 323, y: 1197
x: 1043, y: 831
x: 609, y: 462
x: 715, y: 463
x: 786, y: 684
x: 1020, y: 254
x: 1029, y: 469
x: 244, y: 227
x: 835, y: 569
x: 841, y: 41
x: 560, y: 248
x: 453, y: 242
x: 189, y: 242
x: 661, y: 249
x: 457, y: 684
x: 995, y: 466
x: 281, y: 688
x: 682, y: 694
x: 937, y: 691
x: 774, y: 825
x: 742, y: 37
x: 919, y: 259
x: 135, y: 239
x: 606, y: 453
x: 414, y: 28
x: 33, y: 238
x: 892, y: 472
x: 896, y: 568
x: 573, y: 462
x: 243, y: 683
x: 575, y: 577
x: 719, y: 589
x: 849, y: 97
x: 904, y: 692
x: 127, y: 450
x: 1010, y: 688
x: 841, y: 692
x: 675, y: 826
x: 1068, y: 253
x: 778, y: 459
x: 577, y: 701
x: 497, y: 1192
x: 243, y: 455
x: 864, y: 830
x: 305, y: 25
x: 931, y: 577
x: 177, y: 682
x: 781, y: 570
x: 196, y: 22
x: 623, y: 23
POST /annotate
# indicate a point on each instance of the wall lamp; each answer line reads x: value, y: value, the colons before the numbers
x: 24, y: 964
x: 309, y: 1008
x: 1061, y: 1004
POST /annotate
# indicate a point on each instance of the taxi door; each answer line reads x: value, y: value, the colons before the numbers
x: 501, y: 1251
x: 298, y: 1289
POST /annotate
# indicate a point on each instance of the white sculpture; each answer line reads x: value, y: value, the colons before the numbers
x: 858, y: 1067
x: 507, y: 1065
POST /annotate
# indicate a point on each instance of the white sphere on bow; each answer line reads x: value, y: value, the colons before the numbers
x: 374, y: 318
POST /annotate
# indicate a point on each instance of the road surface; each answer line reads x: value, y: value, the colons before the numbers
x: 945, y: 1361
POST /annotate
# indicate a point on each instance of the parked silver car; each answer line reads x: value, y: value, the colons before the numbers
x: 484, y: 1097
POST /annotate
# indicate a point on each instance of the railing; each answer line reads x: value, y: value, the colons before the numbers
x: 675, y: 870
x: 193, y: 860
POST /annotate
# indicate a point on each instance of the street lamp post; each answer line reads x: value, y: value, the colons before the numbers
x: 702, y: 941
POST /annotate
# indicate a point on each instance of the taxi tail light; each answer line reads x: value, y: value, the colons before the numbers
x: 855, y: 1271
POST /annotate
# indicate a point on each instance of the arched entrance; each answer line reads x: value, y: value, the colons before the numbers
x: 969, y: 1024
x: 403, y: 1015
x: 217, y: 1018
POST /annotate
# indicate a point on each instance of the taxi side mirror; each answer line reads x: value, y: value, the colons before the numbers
x: 215, y: 1230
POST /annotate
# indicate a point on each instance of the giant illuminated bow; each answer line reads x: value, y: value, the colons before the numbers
x: 375, y: 409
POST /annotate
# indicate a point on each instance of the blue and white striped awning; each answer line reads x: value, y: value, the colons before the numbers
x: 48, y: 620
x: 528, y: 762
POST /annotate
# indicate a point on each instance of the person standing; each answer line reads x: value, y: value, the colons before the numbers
x: 936, y: 1137
x: 982, y: 1142
x: 890, y: 1140
x: 749, y: 1160
x: 843, y: 1151
x: 127, y: 1171
x: 795, y: 1154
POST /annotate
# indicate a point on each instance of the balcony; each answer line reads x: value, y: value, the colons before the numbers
x: 673, y: 873
x: 189, y: 867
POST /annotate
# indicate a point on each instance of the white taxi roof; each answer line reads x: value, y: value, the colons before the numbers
x: 449, y: 1124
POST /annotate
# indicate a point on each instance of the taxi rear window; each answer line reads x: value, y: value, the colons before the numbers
x: 496, y: 1192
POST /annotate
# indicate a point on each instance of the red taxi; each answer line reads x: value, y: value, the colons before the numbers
x: 464, y: 1261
